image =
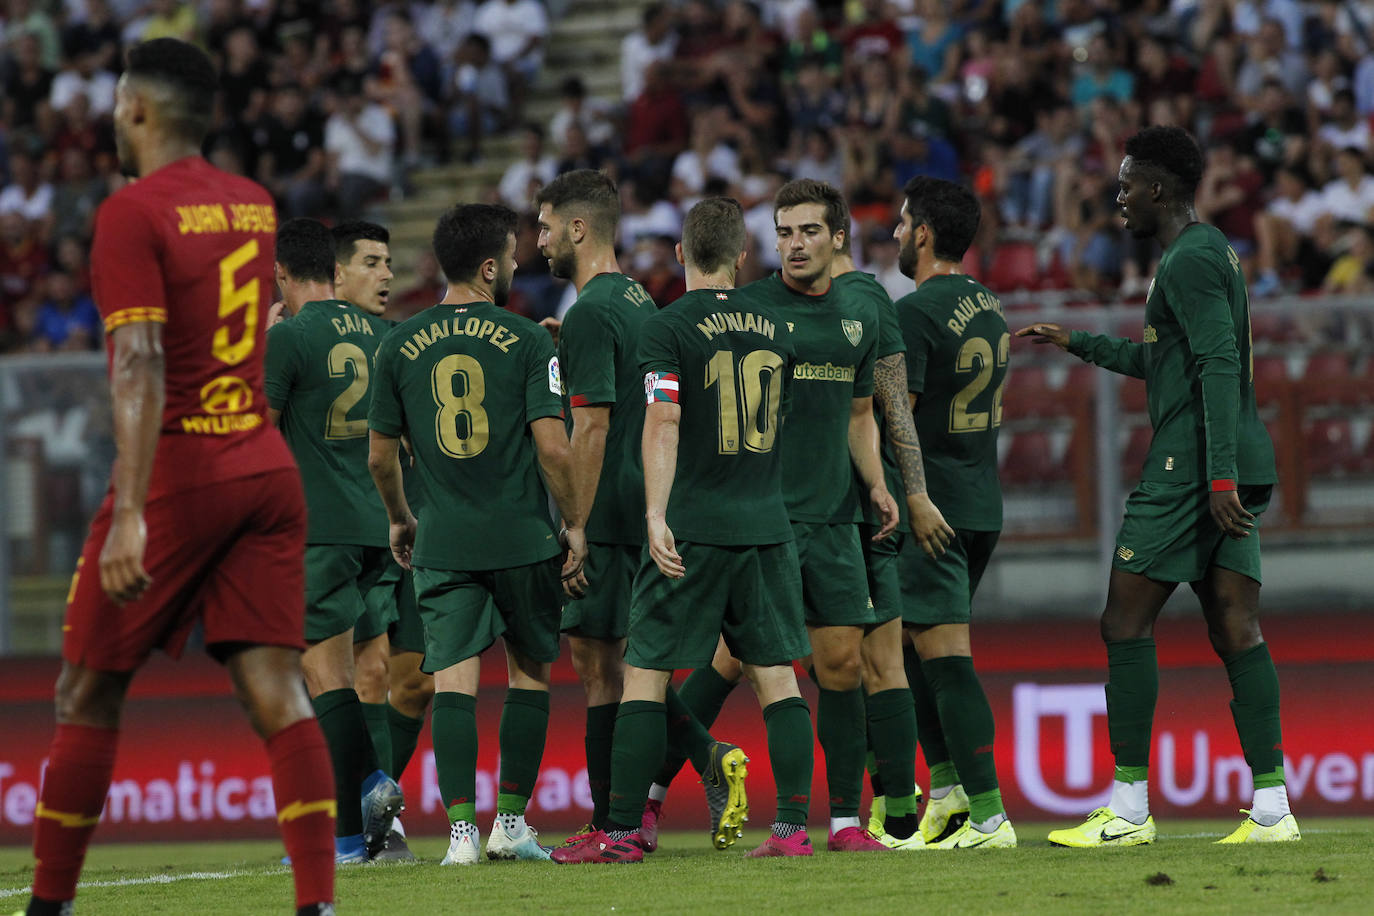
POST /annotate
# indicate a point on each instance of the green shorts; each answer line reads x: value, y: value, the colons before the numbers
x: 880, y: 563
x: 339, y: 578
x: 604, y: 611
x: 749, y: 595
x: 408, y: 630
x: 382, y: 601
x: 465, y: 612
x: 1169, y: 535
x: 834, y: 577
x: 940, y: 589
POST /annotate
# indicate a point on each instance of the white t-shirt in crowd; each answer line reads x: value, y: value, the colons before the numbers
x: 341, y: 138
x: 509, y: 26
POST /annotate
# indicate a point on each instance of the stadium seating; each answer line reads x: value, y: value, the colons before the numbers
x: 1329, y: 448
x: 1030, y: 460
x: 1014, y: 267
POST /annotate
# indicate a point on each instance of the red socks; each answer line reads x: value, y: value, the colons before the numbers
x: 80, y: 761
x: 304, y: 788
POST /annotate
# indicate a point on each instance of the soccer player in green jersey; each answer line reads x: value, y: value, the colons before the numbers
x: 1194, y: 516
x: 889, y: 705
x: 720, y: 557
x: 597, y: 345
x: 957, y: 352
x: 476, y: 392
x: 317, y: 382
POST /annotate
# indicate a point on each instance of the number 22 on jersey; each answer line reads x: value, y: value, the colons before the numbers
x: 976, y: 356
x: 749, y: 397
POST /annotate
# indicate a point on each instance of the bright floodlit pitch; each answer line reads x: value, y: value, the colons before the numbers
x: 1330, y: 871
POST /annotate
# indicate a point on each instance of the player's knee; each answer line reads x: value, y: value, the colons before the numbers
x: 1232, y: 636
x: 839, y: 673
x: 85, y: 697
x: 599, y: 670
x: 370, y: 678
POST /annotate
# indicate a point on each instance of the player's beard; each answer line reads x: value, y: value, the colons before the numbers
x: 500, y: 290
x: 907, y: 257
x: 124, y: 153
x: 563, y: 259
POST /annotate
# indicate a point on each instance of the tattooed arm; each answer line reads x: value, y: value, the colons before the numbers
x: 889, y: 391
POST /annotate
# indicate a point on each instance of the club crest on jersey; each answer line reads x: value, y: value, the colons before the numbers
x: 660, y: 386
x: 853, y: 330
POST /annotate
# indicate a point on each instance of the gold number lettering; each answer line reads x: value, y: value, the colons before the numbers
x: 758, y: 399
x: 232, y: 298
x: 976, y: 355
x: 341, y: 357
x: 460, y: 426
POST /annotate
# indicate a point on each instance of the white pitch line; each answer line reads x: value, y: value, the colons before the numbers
x: 158, y: 879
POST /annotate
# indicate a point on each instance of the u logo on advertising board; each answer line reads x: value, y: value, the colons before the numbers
x: 1078, y: 705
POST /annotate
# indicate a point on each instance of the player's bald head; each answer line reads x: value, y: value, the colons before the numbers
x: 177, y: 80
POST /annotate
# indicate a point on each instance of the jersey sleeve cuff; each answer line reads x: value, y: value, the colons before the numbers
x: 133, y: 316
x: 384, y: 428
x: 594, y: 399
x: 1223, y: 485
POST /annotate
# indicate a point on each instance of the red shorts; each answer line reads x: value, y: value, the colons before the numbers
x: 231, y: 554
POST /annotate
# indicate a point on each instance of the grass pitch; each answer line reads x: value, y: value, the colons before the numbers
x: 1331, y: 870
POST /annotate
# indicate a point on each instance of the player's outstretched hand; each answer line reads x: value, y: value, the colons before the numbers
x: 122, y: 575
x: 1046, y: 333
x: 552, y: 325
x: 1230, y: 514
x: 887, y: 510
x: 928, y: 525
x: 574, y: 541
x: 403, y: 540
x: 663, y: 549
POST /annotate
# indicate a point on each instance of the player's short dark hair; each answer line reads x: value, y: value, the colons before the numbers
x: 1172, y: 152
x: 305, y: 248
x: 809, y: 191
x: 186, y: 77
x: 469, y: 234
x: 713, y: 234
x: 350, y: 232
x: 950, y: 211
x: 587, y: 193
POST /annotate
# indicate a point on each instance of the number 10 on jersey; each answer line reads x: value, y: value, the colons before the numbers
x: 749, y: 394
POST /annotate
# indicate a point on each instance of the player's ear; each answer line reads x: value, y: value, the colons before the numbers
x: 489, y: 270
x: 280, y: 274
x: 677, y: 253
x: 739, y: 261
x: 577, y: 229
x: 838, y: 240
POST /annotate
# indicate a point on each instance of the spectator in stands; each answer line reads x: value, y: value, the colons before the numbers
x: 1353, y: 272
x: 919, y: 153
x: 406, y: 79
x: 653, y: 41
x: 1027, y: 185
x: 243, y: 77
x: 1349, y: 198
x: 1101, y: 76
x: 446, y: 24
x: 811, y: 43
x: 1161, y: 74
x: 880, y: 258
x: 26, y: 18
x: 708, y: 155
x: 576, y: 153
x: 525, y: 176
x: 657, y: 270
x: 481, y: 101
x: 1278, y: 132
x: 1269, y: 57
x: 360, y: 142
x: 83, y: 74
x: 933, y: 41
x: 814, y: 102
x: 645, y: 211
x: 1344, y: 128
x: 28, y: 84
x: 426, y: 290
x: 67, y: 319
x: 170, y: 19
x: 656, y: 122
x: 97, y: 33
x: 874, y: 33
x: 593, y: 116
x: 517, y: 30
x: 76, y: 195
x: 23, y: 263
x: 820, y: 159
x: 27, y: 194
x: 1284, y: 228
x: 291, y: 158
x: 1229, y: 197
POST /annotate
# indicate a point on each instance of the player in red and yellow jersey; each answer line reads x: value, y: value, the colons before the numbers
x: 205, y: 519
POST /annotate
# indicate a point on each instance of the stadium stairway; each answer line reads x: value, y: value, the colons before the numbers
x: 584, y: 40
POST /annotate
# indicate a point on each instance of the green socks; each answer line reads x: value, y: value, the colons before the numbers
x: 791, y: 753
x: 524, y: 725
x: 1255, y: 708
x: 405, y: 735
x: 600, y: 733
x: 345, y: 733
x: 892, y: 733
x: 928, y: 729
x: 969, y: 728
x: 454, y: 724
x: 942, y: 776
x: 704, y: 693
x: 379, y: 727
x: 686, y: 736
x: 1132, y: 689
x: 840, y: 725
x: 641, y: 740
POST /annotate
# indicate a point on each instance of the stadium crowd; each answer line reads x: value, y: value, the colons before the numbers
x: 330, y: 103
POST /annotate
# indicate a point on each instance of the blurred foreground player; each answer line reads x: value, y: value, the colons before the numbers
x: 205, y: 518
x: 1193, y: 517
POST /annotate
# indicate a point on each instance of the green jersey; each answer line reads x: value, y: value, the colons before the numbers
x: 957, y: 347
x: 318, y: 371
x: 463, y: 383
x: 724, y: 359
x: 1198, y: 366
x: 597, y: 347
x: 859, y: 284
x: 834, y: 338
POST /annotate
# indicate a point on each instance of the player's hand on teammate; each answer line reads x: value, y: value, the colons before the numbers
x: 1230, y: 514
x: 276, y: 313
x: 552, y: 325
x: 663, y: 548
x: 122, y: 575
x: 403, y: 540
x: 574, y: 541
x: 928, y: 525
x: 1046, y: 333
x: 887, y: 510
